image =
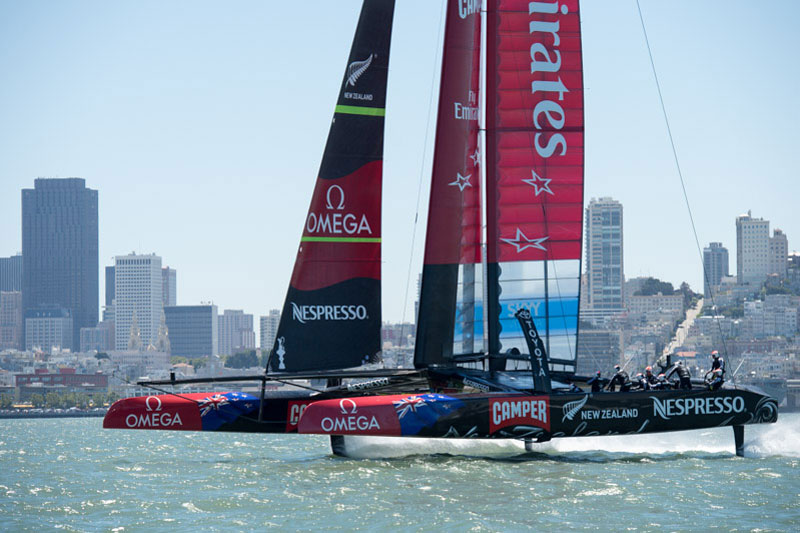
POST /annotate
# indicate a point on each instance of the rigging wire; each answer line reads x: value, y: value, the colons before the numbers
x: 436, y: 62
x: 680, y: 173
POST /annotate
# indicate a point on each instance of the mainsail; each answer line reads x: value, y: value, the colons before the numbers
x: 451, y: 315
x: 332, y: 315
x: 534, y: 166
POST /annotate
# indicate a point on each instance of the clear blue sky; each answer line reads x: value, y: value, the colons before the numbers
x: 202, y: 125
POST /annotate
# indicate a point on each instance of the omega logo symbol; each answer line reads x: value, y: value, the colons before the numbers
x: 157, y: 403
x: 330, y: 198
x: 344, y: 409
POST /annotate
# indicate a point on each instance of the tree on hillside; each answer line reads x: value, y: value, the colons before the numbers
x: 653, y: 286
x: 242, y: 360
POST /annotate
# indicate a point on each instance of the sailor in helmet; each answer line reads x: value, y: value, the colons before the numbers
x: 620, y: 378
x: 717, y: 363
x: 596, y: 382
x: 648, y: 375
x: 683, y: 374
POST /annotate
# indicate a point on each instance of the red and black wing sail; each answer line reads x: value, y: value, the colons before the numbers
x: 534, y: 166
x: 451, y: 314
x: 332, y: 315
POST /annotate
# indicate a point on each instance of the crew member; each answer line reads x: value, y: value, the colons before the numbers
x: 683, y: 375
x: 717, y: 362
x: 621, y: 378
x: 648, y: 375
x: 716, y: 380
x: 662, y: 383
x: 596, y: 382
x: 640, y: 382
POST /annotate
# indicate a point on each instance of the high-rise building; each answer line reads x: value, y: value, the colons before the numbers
x: 109, y: 286
x: 169, y: 287
x: 235, y: 332
x: 605, y: 275
x: 752, y: 249
x: 715, y: 264
x: 11, y: 273
x: 137, y: 291
x: 193, y: 330
x: 48, y: 327
x: 778, y: 253
x: 60, y: 250
x: 11, y: 320
x: 269, y: 328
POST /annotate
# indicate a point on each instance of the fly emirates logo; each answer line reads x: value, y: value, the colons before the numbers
x: 519, y: 411
x: 546, y: 68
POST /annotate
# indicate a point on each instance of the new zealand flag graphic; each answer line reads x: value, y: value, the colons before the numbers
x: 224, y: 408
x: 423, y: 411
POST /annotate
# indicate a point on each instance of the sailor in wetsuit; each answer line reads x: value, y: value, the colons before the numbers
x: 662, y: 383
x: 716, y: 380
x: 596, y: 382
x: 621, y: 378
x: 683, y: 375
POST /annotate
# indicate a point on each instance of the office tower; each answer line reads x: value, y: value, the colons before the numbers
x: 604, y: 267
x: 715, y: 264
x: 269, y: 328
x: 59, y: 250
x: 778, y: 253
x: 169, y: 288
x: 11, y: 273
x: 109, y: 286
x: 752, y: 249
x: 48, y: 327
x: 137, y: 291
x: 193, y: 330
x: 235, y: 332
x: 11, y: 320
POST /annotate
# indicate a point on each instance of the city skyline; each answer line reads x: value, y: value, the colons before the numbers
x: 181, y: 133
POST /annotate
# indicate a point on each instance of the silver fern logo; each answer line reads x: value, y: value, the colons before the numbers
x: 356, y: 69
x: 571, y: 408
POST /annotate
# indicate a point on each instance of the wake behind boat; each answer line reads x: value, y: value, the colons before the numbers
x: 495, y: 354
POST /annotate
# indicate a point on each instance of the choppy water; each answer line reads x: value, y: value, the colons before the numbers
x: 70, y: 474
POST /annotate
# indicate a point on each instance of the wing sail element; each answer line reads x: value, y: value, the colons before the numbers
x: 332, y: 315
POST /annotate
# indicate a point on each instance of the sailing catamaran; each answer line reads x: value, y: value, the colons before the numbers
x: 495, y: 354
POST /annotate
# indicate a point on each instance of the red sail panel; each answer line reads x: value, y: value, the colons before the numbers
x: 534, y: 131
x: 450, y: 315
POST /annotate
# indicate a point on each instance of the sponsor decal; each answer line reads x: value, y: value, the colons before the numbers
x: 312, y: 313
x: 350, y: 420
x: 475, y: 385
x: 571, y: 408
x: 468, y: 111
x: 371, y: 384
x: 462, y: 182
x: 608, y: 414
x: 522, y: 242
x: 154, y: 416
x: 535, y: 342
x: 468, y: 7
x: 332, y: 221
x: 354, y: 71
x: 294, y: 411
x: 666, y: 409
x: 281, y: 352
x: 519, y: 411
x: 533, y: 307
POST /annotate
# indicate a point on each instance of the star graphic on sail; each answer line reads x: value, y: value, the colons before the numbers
x: 539, y: 183
x: 521, y: 242
x: 475, y: 158
x: 461, y: 182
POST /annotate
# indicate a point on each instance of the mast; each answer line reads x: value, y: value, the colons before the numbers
x: 534, y: 145
x: 332, y: 314
x: 450, y: 317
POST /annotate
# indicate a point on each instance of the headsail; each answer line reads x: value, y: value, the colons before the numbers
x: 451, y: 314
x: 534, y: 144
x: 332, y: 314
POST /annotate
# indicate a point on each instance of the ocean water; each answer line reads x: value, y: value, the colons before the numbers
x: 71, y: 475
